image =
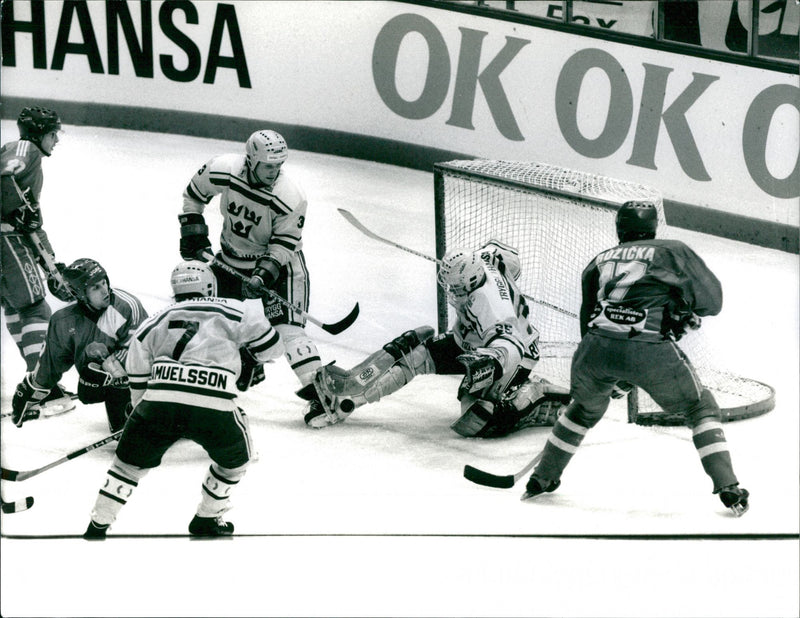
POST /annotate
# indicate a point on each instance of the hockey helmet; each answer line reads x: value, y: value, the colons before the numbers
x: 193, y: 278
x: 637, y: 220
x: 460, y: 272
x: 81, y: 274
x: 265, y: 146
x: 36, y: 122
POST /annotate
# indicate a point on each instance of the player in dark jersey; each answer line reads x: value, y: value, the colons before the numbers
x: 638, y: 299
x: 186, y: 364
x: 91, y: 334
x: 21, y: 285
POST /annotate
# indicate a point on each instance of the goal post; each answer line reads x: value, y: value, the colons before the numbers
x: 559, y: 220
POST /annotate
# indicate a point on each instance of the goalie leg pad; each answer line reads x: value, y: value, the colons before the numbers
x: 476, y: 419
x: 380, y: 374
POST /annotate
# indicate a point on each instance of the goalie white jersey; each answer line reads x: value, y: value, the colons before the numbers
x: 495, y: 315
x: 189, y: 352
x: 257, y: 222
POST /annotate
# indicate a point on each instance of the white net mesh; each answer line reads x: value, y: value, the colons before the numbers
x: 559, y: 219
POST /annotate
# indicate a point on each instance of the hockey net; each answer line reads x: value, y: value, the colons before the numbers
x: 560, y: 219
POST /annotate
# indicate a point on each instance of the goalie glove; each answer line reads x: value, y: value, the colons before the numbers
x: 264, y: 276
x: 194, y: 244
x: 481, y: 373
x: 26, y: 395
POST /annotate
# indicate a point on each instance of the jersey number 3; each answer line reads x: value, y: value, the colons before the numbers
x: 189, y: 330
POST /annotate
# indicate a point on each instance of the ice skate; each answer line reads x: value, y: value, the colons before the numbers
x: 210, y: 527
x: 534, y: 487
x: 95, y: 531
x: 735, y: 498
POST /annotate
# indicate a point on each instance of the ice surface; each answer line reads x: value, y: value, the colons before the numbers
x: 373, y: 516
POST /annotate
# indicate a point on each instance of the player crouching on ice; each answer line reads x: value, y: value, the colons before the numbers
x: 185, y: 366
x: 492, y: 344
x: 93, y: 335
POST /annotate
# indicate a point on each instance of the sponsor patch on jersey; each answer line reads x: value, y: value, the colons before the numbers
x: 624, y: 315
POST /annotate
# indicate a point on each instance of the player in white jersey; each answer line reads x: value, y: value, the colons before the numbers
x: 491, y: 343
x: 263, y: 212
x: 183, y: 365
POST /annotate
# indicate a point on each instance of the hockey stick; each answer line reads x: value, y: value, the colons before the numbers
x: 492, y: 480
x: 360, y: 227
x: 33, y: 237
x: 23, y: 504
x: 333, y: 329
x: 14, y: 475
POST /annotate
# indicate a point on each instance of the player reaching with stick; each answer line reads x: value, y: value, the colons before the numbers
x: 185, y: 365
x: 91, y: 334
x: 492, y: 344
x: 21, y: 286
x: 263, y: 211
x: 638, y: 299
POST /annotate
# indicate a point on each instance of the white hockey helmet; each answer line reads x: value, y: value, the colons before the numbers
x: 460, y: 272
x: 265, y: 146
x: 193, y: 277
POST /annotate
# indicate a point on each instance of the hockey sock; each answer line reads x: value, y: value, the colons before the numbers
x: 217, y: 486
x: 562, y: 443
x: 121, y: 480
x: 709, y: 440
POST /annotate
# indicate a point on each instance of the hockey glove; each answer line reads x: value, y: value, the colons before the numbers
x: 194, y: 243
x: 676, y: 325
x: 27, y: 395
x: 481, y: 372
x: 28, y: 217
x: 252, y: 371
x: 61, y: 292
x: 264, y: 276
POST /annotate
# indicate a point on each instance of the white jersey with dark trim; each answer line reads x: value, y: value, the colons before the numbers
x: 495, y: 315
x: 258, y: 222
x: 189, y: 352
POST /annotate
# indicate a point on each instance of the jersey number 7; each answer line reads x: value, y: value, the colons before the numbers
x: 190, y: 330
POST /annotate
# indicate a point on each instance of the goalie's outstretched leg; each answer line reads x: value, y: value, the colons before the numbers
x: 393, y: 366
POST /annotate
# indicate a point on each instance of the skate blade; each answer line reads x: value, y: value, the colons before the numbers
x: 739, y: 509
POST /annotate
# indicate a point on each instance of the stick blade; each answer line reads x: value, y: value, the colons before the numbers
x: 8, y: 475
x: 488, y: 480
x: 344, y: 323
x: 20, y: 505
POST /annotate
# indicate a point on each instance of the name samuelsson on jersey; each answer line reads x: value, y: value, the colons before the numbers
x: 192, y: 375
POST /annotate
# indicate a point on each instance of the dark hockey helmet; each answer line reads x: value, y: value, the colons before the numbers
x: 637, y: 220
x: 81, y: 274
x: 36, y: 122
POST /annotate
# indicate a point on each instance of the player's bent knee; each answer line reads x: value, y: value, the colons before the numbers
x: 37, y: 311
x: 128, y: 471
x: 230, y: 475
x: 705, y: 408
x: 582, y: 416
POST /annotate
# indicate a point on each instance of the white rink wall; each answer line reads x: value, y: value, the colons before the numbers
x: 706, y: 133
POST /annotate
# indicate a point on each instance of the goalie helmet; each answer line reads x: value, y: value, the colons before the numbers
x: 36, y: 122
x: 265, y: 147
x: 193, y: 278
x: 81, y: 274
x: 460, y: 272
x: 637, y: 221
